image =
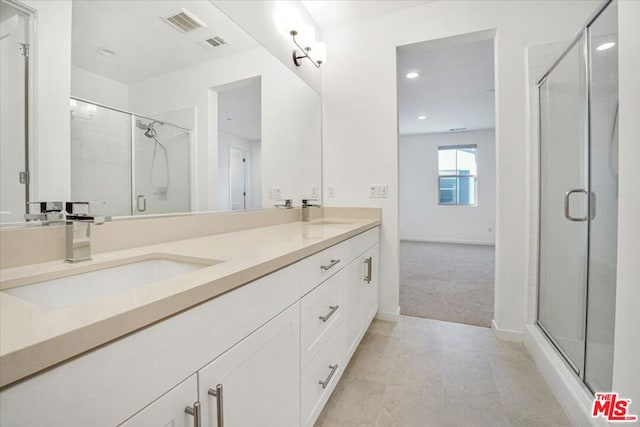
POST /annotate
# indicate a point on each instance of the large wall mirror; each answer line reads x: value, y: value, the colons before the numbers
x: 149, y: 107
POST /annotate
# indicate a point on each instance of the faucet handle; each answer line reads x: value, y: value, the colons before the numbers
x: 47, y: 206
x: 306, y: 204
x: 81, y: 211
x: 49, y: 212
x: 288, y: 204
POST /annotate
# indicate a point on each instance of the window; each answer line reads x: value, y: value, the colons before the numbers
x: 457, y: 171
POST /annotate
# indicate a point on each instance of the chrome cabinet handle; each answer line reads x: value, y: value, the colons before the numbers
x: 326, y: 382
x: 331, y: 264
x: 195, y: 412
x: 217, y: 393
x: 332, y: 309
x: 368, y: 277
x: 142, y: 199
x: 567, y: 195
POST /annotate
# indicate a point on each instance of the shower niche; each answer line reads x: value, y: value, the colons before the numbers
x: 578, y: 108
x: 129, y: 164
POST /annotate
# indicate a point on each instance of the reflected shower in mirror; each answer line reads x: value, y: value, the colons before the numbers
x: 173, y: 109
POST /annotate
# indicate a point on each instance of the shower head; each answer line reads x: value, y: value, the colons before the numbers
x: 148, y: 128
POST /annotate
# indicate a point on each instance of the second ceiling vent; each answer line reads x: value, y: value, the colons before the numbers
x: 183, y: 21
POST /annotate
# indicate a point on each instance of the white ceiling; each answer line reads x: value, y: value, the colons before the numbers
x: 451, y: 89
x: 145, y: 45
x: 239, y: 109
x: 332, y: 13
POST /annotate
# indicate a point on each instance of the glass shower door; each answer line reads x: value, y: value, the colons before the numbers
x: 603, y: 226
x: 161, y: 168
x: 564, y: 206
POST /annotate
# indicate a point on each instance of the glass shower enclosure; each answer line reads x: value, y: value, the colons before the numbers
x: 578, y: 99
x: 130, y: 164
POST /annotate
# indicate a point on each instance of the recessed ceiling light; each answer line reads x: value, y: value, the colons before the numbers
x: 422, y: 117
x: 605, y: 46
x: 412, y: 75
x: 106, y: 52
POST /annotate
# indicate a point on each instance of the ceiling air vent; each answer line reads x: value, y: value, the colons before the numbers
x: 216, y: 41
x: 456, y: 129
x: 183, y: 21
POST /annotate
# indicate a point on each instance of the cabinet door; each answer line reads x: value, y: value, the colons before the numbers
x: 354, y: 307
x: 371, y: 265
x: 169, y: 409
x: 257, y: 382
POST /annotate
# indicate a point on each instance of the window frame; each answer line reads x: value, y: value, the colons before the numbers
x: 457, y: 176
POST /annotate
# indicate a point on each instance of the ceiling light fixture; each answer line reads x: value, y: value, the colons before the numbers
x: 412, y: 75
x: 605, y: 46
x: 422, y: 117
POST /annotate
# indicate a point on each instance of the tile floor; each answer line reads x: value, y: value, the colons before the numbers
x: 423, y: 372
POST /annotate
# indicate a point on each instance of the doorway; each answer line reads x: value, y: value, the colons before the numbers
x: 446, y: 117
x: 239, y: 145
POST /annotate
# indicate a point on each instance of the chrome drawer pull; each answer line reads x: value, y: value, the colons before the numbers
x: 217, y: 393
x: 326, y: 382
x: 331, y: 264
x: 368, y: 262
x: 195, y: 412
x: 333, y: 309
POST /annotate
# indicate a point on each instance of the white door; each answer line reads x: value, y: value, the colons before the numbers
x: 169, y: 410
x: 256, y: 382
x: 238, y: 167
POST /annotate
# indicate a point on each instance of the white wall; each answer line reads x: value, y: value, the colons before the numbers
x: 626, y: 369
x: 290, y: 113
x: 421, y: 217
x: 51, y: 133
x: 256, y: 18
x: 360, y: 143
x: 100, y: 89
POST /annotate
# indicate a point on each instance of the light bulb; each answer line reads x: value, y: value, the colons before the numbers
x: 287, y: 18
x: 306, y: 36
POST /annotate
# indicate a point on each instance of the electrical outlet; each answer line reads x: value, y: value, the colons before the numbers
x: 331, y: 191
x: 270, y: 193
x: 378, y: 190
x: 275, y: 193
x: 314, y: 191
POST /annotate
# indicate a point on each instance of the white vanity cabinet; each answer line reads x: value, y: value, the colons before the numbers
x: 265, y: 354
x: 256, y: 382
x: 169, y: 409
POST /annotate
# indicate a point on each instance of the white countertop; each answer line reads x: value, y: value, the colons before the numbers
x: 34, y: 337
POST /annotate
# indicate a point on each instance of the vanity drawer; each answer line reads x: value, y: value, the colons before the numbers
x: 322, y: 312
x: 321, y: 376
x: 317, y: 268
x: 360, y: 243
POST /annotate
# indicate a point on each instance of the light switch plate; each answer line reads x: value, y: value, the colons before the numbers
x: 378, y: 190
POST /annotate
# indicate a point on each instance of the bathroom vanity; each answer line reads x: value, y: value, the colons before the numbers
x: 255, y: 331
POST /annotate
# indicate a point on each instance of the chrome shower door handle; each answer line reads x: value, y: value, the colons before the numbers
x: 567, y: 196
x: 217, y: 393
x: 142, y: 199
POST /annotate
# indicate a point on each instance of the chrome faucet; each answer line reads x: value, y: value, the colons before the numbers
x: 305, y: 209
x: 50, y: 212
x: 78, y: 231
x: 288, y: 204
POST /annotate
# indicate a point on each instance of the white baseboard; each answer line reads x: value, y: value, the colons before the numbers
x: 506, y: 334
x: 453, y: 241
x: 389, y: 316
x: 573, y: 396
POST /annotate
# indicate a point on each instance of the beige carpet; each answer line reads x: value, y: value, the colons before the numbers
x: 449, y: 282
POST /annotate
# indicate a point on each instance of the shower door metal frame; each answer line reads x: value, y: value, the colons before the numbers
x: 582, y: 33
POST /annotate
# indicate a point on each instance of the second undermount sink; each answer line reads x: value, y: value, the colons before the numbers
x: 75, y: 289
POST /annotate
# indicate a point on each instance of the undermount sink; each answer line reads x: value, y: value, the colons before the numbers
x: 75, y: 289
x: 330, y: 222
